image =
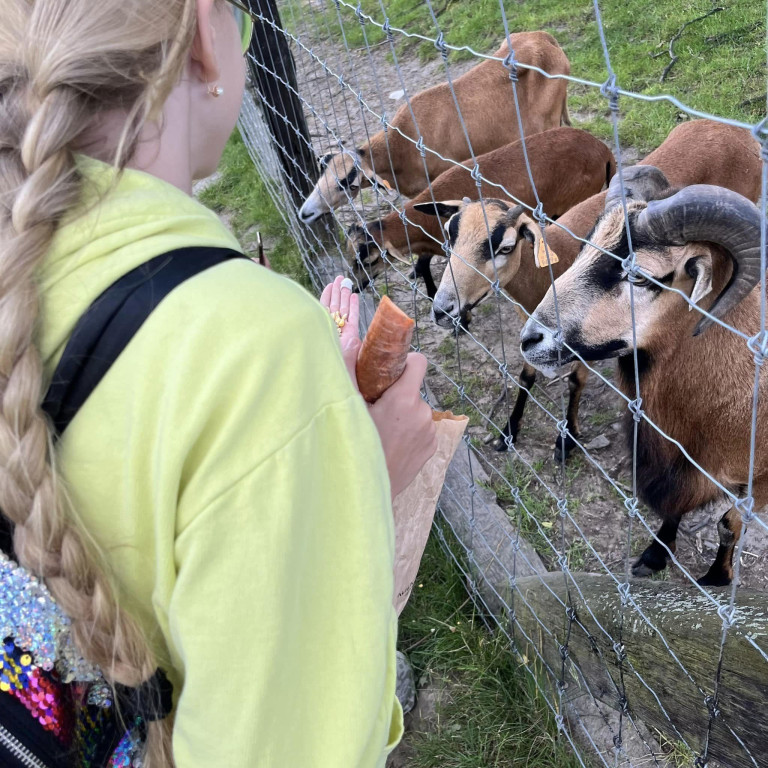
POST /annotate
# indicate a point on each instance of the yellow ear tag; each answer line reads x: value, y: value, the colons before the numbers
x: 384, y: 183
x: 541, y: 256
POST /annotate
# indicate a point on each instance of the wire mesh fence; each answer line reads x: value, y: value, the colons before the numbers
x: 663, y: 672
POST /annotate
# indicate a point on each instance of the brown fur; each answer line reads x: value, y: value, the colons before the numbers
x: 567, y: 164
x: 485, y: 98
x: 695, y: 152
x: 486, y: 102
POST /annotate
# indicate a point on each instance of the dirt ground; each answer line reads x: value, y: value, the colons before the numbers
x: 594, y: 505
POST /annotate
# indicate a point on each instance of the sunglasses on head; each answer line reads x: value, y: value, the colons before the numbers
x: 244, y: 20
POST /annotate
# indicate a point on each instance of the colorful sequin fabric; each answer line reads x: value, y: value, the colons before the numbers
x: 32, y: 618
x: 40, y: 666
x: 45, y: 698
x: 128, y: 752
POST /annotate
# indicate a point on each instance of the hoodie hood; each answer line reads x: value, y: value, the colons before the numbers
x: 125, y: 219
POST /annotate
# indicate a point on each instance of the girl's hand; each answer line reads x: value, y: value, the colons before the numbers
x: 339, y: 298
x: 404, y: 422
x: 402, y: 418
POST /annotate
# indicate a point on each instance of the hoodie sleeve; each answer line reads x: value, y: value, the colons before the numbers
x: 281, y: 614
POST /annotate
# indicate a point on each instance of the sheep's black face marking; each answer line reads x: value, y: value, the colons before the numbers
x: 590, y: 352
x: 606, y: 271
x: 454, y: 224
x: 347, y: 182
x: 497, y: 235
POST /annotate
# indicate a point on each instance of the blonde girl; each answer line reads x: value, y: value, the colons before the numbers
x: 220, y: 506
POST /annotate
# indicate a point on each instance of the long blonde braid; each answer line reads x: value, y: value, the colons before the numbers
x: 61, y: 64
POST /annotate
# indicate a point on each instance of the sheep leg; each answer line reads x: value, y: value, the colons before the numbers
x: 527, y: 379
x: 655, y: 557
x: 576, y: 381
x: 720, y: 573
x: 421, y: 269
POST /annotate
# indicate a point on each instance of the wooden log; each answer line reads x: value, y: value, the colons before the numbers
x: 659, y: 619
x: 496, y: 554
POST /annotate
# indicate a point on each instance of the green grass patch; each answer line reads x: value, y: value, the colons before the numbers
x: 491, y: 714
x: 241, y: 196
x: 720, y: 67
x: 603, y: 418
x: 475, y: 387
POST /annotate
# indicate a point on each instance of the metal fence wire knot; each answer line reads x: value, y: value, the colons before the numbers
x: 624, y: 590
x: 539, y: 215
x: 359, y: 15
x: 636, y: 408
x: 562, y: 506
x: 511, y: 64
x: 758, y: 345
x: 441, y: 46
x: 727, y: 613
x: 711, y: 703
x: 387, y: 30
x: 610, y: 90
x: 746, y: 506
x: 760, y: 132
x: 631, y: 503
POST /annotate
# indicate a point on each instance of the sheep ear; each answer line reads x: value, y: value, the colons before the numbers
x: 699, y: 268
x: 530, y: 230
x: 444, y: 209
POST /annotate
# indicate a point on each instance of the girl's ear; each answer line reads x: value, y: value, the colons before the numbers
x: 204, y: 45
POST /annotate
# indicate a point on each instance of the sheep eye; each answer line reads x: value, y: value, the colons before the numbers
x: 505, y: 249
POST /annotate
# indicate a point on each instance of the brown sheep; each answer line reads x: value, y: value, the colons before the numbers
x: 695, y: 152
x: 568, y: 165
x: 485, y: 98
x: 696, y: 377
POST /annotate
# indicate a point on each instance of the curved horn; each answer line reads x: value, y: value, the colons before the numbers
x: 710, y: 214
x: 641, y: 182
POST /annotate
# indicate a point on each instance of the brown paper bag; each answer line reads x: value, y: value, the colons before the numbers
x: 414, y: 507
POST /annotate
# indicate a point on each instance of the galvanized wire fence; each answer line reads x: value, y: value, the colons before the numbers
x: 635, y: 674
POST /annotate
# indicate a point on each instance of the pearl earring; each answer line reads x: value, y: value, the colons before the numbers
x: 215, y: 91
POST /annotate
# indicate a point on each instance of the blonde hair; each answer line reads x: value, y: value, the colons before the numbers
x: 61, y: 65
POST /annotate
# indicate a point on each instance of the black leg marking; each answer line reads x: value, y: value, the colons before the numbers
x: 576, y: 380
x: 656, y: 557
x: 720, y: 573
x: 422, y: 269
x: 527, y: 379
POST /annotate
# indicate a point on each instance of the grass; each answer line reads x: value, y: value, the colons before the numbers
x: 474, y: 387
x: 241, y: 196
x: 492, y: 714
x: 720, y: 69
x: 538, y: 517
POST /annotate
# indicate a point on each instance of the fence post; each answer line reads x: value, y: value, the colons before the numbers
x: 273, y: 72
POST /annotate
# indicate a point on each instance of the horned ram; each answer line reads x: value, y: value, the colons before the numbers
x: 696, y: 377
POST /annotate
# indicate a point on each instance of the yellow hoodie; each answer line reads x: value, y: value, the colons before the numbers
x: 237, y: 484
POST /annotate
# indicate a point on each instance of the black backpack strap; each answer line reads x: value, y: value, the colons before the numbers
x: 105, y: 329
